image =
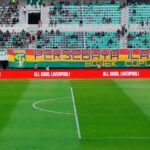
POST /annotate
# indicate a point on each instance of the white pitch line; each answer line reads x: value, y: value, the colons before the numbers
x: 112, y: 87
x: 75, y: 113
x: 101, y: 138
x: 51, y: 111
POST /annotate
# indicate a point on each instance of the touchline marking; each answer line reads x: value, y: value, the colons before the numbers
x: 34, y: 105
x: 75, y: 114
x: 101, y: 138
x: 112, y: 87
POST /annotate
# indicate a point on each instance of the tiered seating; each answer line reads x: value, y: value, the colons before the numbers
x: 60, y: 39
x: 90, y: 14
x: 139, y: 14
x: 65, y: 15
x: 77, y: 40
x: 101, y: 14
x: 102, y: 40
x: 14, y: 40
x: 9, y: 14
x: 34, y: 2
x: 139, y: 40
x: 74, y: 39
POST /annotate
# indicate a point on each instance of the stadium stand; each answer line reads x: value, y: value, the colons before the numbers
x: 76, y: 24
x: 138, y: 39
x: 64, y: 24
x: 34, y: 2
x: 14, y: 39
x: 9, y: 13
x: 139, y: 14
x: 77, y: 39
x: 65, y: 15
x: 102, y: 40
x: 85, y: 14
x: 105, y: 14
x: 59, y: 39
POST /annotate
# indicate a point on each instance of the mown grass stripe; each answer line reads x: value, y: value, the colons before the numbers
x: 11, y: 92
x: 105, y: 112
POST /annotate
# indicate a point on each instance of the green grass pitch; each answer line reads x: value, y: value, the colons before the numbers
x: 113, y: 114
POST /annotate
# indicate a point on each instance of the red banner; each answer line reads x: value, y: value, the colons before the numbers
x: 75, y: 73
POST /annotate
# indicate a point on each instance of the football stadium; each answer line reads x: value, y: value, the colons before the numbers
x: 74, y: 74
